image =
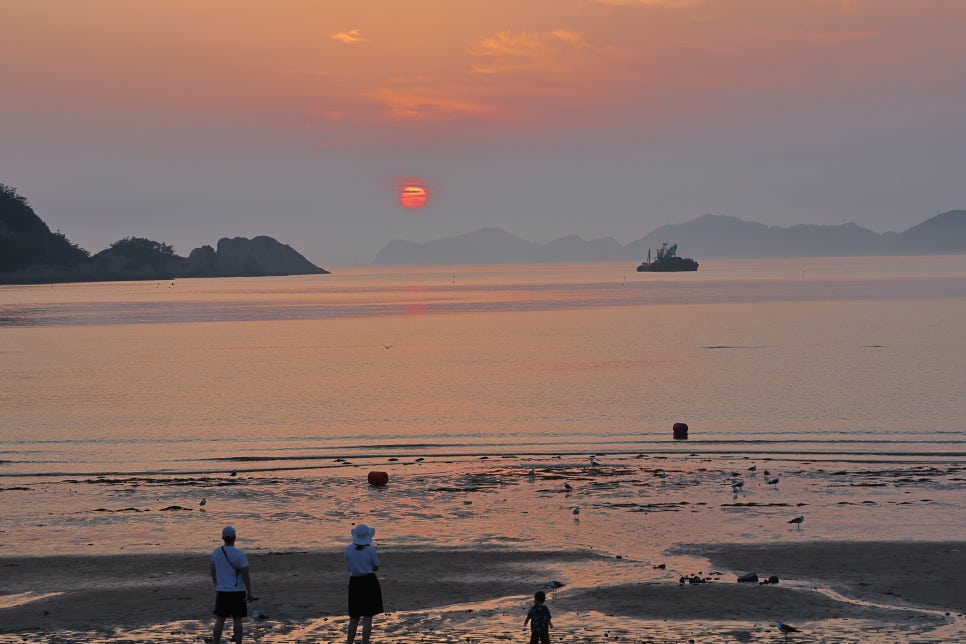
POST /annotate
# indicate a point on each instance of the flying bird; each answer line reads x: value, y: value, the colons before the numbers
x: 798, y: 521
x: 389, y: 346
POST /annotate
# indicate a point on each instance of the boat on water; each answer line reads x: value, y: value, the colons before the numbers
x: 667, y: 261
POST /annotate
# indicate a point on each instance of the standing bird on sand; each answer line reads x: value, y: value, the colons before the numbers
x: 576, y: 511
x: 204, y: 501
x: 552, y: 586
x: 568, y: 486
x: 786, y: 629
x: 798, y: 521
x: 593, y: 461
x: 773, y: 481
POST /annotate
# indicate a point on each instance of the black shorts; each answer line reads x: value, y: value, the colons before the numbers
x: 231, y: 604
x: 365, y: 596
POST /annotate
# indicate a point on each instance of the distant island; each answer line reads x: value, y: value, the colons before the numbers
x: 30, y: 253
x: 707, y: 237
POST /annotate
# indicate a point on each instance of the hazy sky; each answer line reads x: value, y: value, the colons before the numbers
x: 189, y: 120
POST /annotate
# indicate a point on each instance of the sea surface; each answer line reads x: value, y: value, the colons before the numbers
x: 144, y: 416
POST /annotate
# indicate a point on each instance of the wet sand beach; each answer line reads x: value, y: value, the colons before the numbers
x: 465, y: 543
x: 837, y: 592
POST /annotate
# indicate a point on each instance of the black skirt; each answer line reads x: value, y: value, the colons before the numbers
x: 365, y: 596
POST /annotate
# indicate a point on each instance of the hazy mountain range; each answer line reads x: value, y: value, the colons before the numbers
x: 707, y: 237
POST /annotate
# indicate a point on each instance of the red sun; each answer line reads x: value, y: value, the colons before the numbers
x: 412, y: 195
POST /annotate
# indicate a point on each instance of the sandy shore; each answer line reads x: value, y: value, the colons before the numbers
x: 903, y: 587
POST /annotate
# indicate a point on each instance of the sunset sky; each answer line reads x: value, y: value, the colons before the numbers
x: 189, y: 120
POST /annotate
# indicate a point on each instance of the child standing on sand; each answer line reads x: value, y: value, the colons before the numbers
x: 539, y: 619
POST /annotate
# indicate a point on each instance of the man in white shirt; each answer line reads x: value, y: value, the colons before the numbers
x: 233, y: 585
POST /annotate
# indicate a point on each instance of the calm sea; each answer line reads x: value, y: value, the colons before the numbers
x: 142, y: 417
x: 838, y: 359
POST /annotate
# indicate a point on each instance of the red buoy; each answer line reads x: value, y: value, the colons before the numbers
x: 680, y: 431
x: 378, y: 478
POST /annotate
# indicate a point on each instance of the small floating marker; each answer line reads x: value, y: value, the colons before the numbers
x: 377, y: 478
x: 680, y: 431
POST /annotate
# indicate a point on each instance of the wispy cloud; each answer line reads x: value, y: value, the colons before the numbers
x: 430, y: 102
x: 351, y: 37
x: 507, y: 51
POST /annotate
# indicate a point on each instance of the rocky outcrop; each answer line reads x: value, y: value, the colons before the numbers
x: 239, y: 256
x: 235, y: 257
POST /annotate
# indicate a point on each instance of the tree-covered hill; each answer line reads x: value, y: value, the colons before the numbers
x: 25, y: 240
x: 30, y: 253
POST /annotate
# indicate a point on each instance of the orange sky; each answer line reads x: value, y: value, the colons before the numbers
x: 535, y: 63
x: 174, y: 82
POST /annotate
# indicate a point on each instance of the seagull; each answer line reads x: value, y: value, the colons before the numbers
x: 786, y: 629
x: 568, y: 486
x: 552, y: 586
x: 798, y: 521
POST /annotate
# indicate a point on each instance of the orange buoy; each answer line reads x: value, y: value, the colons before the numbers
x: 680, y: 431
x: 378, y: 478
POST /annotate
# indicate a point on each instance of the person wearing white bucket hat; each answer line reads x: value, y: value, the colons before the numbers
x: 365, y: 594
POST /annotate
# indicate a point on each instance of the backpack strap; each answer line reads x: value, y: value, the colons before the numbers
x: 231, y: 563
